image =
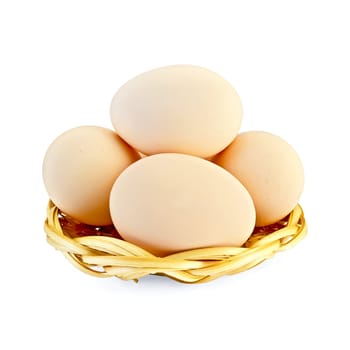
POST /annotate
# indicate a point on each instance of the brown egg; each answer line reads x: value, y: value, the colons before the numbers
x: 174, y: 202
x: 181, y: 109
x: 79, y: 170
x: 270, y: 170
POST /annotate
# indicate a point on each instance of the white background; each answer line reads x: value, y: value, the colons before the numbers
x: 60, y: 64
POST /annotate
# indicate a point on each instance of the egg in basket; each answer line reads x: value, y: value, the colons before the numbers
x: 175, y: 190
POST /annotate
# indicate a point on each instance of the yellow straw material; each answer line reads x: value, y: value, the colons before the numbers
x: 101, y: 252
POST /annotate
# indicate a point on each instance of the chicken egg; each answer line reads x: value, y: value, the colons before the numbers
x: 79, y: 170
x: 177, y: 109
x: 173, y: 202
x: 270, y: 170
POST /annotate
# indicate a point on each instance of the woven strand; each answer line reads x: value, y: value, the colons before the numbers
x: 105, y: 256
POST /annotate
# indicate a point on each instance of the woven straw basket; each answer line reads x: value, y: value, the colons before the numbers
x: 100, y: 251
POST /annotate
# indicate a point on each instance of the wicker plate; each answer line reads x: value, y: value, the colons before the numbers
x: 101, y: 252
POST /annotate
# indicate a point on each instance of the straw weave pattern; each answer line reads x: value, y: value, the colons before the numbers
x: 104, y: 254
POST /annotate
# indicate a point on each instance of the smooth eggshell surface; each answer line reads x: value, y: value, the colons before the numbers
x: 270, y: 170
x: 80, y: 168
x: 182, y: 109
x: 173, y: 202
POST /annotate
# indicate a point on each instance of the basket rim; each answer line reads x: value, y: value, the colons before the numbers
x: 106, y: 256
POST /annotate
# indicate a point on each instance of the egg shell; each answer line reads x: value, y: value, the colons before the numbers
x: 173, y: 202
x: 182, y: 109
x: 271, y: 171
x: 80, y: 168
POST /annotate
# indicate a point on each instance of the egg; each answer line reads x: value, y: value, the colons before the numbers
x: 173, y: 202
x: 80, y: 168
x: 177, y: 109
x: 270, y: 170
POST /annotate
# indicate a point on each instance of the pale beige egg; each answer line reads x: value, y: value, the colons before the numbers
x: 182, y: 109
x: 173, y: 202
x: 80, y: 168
x: 270, y: 170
